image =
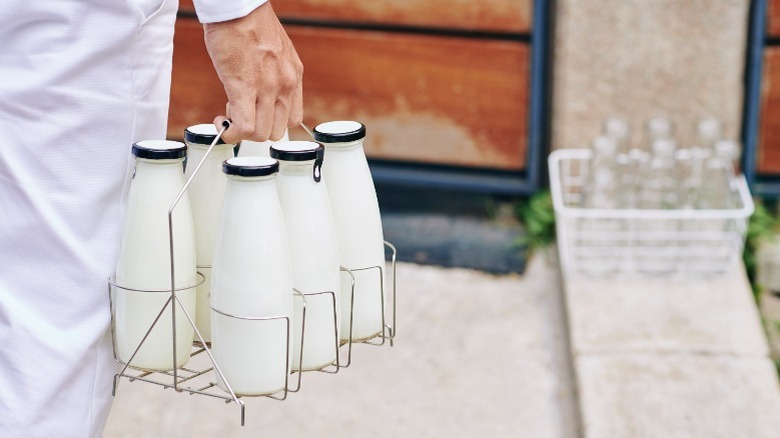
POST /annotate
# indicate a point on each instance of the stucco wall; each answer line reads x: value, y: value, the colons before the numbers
x: 682, y: 59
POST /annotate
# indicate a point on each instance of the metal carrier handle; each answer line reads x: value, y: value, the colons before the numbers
x: 177, y: 376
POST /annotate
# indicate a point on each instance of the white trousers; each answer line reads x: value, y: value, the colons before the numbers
x: 80, y: 81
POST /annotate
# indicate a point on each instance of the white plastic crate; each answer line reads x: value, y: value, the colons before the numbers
x: 676, y: 243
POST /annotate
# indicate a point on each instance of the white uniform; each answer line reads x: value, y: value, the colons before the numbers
x: 80, y: 81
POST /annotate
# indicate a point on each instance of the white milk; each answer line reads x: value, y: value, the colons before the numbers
x: 205, y: 191
x: 251, y: 148
x: 144, y: 260
x: 251, y: 278
x: 313, y: 250
x: 357, y: 222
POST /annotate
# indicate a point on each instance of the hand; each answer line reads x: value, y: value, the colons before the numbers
x: 261, y: 72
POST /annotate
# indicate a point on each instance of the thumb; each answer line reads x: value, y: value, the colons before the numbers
x: 221, y: 122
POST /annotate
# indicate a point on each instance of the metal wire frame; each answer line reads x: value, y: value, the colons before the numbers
x: 175, y: 374
x: 388, y: 332
x: 336, y: 362
x: 175, y: 370
x: 287, y: 355
x: 225, y: 126
x: 325, y: 368
x: 201, y: 280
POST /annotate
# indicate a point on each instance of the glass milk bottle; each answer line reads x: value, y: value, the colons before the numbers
x: 660, y: 193
x: 144, y: 260
x: 619, y: 131
x: 659, y: 128
x: 601, y: 183
x: 251, y: 280
x: 709, y: 131
x: 728, y: 152
x: 251, y: 148
x: 313, y: 251
x: 205, y: 191
x: 358, y: 225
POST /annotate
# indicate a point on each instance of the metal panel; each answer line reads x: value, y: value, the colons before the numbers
x: 752, y: 106
x: 521, y: 174
x: 513, y: 16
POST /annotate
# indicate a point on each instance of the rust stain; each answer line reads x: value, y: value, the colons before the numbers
x: 428, y: 94
x: 432, y: 139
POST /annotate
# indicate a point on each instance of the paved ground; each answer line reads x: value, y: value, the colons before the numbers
x: 477, y: 355
x: 484, y: 355
x: 671, y: 359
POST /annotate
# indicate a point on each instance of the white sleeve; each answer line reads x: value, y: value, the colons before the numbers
x: 213, y: 11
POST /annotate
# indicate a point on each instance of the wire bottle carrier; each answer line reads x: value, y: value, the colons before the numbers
x: 201, y: 374
x: 631, y: 242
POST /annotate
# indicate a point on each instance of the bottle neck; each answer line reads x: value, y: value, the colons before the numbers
x: 250, y: 179
x: 343, y: 147
x: 205, y: 147
x: 143, y: 165
x: 296, y: 168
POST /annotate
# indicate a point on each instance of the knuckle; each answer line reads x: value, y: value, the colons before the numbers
x: 246, y: 129
x: 261, y: 133
x: 290, y: 82
x: 272, y: 82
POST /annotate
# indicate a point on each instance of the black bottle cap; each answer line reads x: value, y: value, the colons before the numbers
x: 250, y: 166
x: 201, y: 134
x: 159, y: 150
x: 300, y: 151
x: 342, y: 131
x: 297, y: 151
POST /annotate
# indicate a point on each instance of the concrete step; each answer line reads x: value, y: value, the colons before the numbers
x: 709, y: 315
x: 682, y: 395
x: 656, y: 358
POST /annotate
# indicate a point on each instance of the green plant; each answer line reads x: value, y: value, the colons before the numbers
x: 761, y: 227
x: 538, y: 218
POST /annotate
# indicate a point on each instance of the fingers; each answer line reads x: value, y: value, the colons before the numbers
x: 264, y: 120
x: 296, y: 108
x: 261, y: 73
x: 271, y: 122
x: 241, y: 112
x: 281, y: 116
x: 219, y: 123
